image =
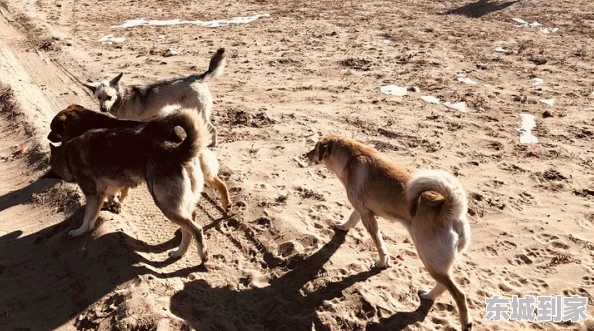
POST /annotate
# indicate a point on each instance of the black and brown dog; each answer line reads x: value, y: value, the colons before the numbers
x: 76, y: 120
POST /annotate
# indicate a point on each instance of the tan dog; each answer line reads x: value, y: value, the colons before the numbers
x: 76, y: 120
x: 431, y: 204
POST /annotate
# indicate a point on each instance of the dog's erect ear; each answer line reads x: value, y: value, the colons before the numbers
x: 116, y: 80
x: 324, y: 150
x: 91, y: 86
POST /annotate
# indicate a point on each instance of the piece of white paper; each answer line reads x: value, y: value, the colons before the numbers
x: 430, y: 99
x: 549, y: 102
x: 459, y: 106
x: 528, y: 123
x: 393, y: 90
x: 463, y: 79
x: 214, y: 23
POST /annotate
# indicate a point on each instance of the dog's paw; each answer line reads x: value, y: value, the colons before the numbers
x: 77, y: 232
x: 176, y: 253
x: 424, y: 294
x: 205, y: 256
x: 383, y: 262
x: 115, y: 207
x: 467, y: 327
x: 228, y: 209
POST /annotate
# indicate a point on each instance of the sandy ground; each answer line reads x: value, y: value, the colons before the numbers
x: 312, y: 68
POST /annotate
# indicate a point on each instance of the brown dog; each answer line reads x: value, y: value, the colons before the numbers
x: 431, y: 204
x: 77, y: 120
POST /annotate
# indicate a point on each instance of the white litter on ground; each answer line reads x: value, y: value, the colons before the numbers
x: 161, y: 37
x: 463, y: 79
x: 387, y: 41
x: 549, y: 30
x: 215, y: 23
x: 501, y: 50
x: 537, y: 81
x: 170, y: 52
x: 549, y: 102
x: 459, y: 106
x: 393, y: 90
x: 430, y: 99
x: 528, y: 123
x: 520, y: 21
x: 524, y: 24
x: 110, y: 39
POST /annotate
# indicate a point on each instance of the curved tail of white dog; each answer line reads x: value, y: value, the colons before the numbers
x: 455, y: 204
x: 216, y: 66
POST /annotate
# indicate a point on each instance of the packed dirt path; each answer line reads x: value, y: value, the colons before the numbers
x: 310, y: 69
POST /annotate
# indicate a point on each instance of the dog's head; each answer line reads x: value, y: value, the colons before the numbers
x: 107, y: 92
x: 321, y: 151
x: 64, y: 124
x: 58, y: 168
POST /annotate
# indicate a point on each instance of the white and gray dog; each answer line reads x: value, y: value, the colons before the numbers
x: 154, y: 100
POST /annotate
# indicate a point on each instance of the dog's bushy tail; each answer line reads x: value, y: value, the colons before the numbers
x: 216, y: 66
x: 455, y: 205
x: 191, y: 127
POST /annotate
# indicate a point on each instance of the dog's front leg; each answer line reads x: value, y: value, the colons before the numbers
x: 371, y: 225
x: 92, y: 209
x: 350, y: 223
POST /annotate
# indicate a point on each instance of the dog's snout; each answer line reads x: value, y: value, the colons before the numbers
x: 103, y: 109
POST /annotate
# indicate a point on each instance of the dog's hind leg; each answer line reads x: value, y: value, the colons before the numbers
x: 439, y: 260
x: 350, y: 223
x: 174, y: 196
x: 183, y: 246
x: 123, y: 194
x: 210, y: 168
x: 223, y: 192
x: 213, y: 134
x: 184, y: 220
x: 92, y: 208
x: 371, y: 225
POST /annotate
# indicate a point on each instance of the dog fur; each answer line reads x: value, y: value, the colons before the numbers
x: 76, y: 120
x: 146, y: 102
x: 431, y: 204
x: 105, y: 161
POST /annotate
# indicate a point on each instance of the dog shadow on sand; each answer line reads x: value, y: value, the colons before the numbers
x: 48, y: 278
x: 479, y: 8
x: 283, y: 304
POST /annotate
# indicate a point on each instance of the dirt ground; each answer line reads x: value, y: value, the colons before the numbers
x: 309, y: 69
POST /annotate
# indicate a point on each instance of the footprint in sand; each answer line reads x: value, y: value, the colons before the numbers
x: 515, y: 283
x: 489, y: 251
x: 551, y: 240
x: 580, y: 291
x: 530, y: 256
x: 588, y: 280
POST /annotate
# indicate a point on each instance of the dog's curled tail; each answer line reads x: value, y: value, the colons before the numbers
x: 190, y: 126
x: 455, y: 204
x: 216, y: 66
